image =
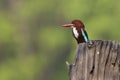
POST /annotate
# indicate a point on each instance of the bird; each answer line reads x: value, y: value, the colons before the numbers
x: 78, y: 30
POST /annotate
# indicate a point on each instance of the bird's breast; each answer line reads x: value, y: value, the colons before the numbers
x: 75, y: 32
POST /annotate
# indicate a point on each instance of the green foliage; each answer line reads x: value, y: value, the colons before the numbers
x: 34, y: 46
x: 6, y: 30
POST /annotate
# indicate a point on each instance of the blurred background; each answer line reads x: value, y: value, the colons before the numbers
x: 34, y: 46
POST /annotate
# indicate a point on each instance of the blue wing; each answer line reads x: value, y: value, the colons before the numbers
x: 85, y: 35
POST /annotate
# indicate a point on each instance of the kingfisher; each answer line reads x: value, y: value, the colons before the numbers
x: 78, y: 30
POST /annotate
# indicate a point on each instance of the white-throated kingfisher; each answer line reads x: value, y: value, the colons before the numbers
x: 78, y: 30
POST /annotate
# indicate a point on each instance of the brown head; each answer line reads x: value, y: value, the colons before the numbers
x: 75, y: 23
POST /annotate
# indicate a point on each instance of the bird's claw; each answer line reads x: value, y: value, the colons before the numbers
x: 90, y: 44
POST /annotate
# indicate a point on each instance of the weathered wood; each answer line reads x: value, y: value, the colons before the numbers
x: 101, y: 61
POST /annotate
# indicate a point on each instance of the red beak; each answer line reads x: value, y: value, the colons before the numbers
x: 68, y: 25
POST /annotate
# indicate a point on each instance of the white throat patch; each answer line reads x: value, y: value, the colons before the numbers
x: 75, y: 32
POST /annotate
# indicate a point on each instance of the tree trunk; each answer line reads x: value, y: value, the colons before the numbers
x: 99, y: 61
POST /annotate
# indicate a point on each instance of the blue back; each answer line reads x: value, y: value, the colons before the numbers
x: 85, y: 35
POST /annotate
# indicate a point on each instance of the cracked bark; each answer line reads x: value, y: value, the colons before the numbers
x: 101, y: 61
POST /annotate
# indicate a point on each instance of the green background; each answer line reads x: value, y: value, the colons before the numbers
x: 34, y: 46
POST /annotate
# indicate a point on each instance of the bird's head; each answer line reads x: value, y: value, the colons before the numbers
x: 78, y: 30
x: 75, y: 24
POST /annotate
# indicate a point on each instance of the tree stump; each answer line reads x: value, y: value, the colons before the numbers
x: 101, y: 61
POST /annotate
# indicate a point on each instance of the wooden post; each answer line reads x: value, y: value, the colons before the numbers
x: 101, y: 61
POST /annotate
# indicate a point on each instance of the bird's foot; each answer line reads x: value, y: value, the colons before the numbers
x: 90, y: 44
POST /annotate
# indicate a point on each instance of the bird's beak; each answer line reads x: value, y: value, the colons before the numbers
x: 68, y: 25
